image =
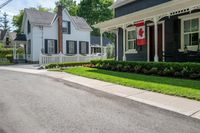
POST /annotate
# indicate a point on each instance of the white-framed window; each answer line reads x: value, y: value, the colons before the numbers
x: 66, y: 27
x: 71, y: 47
x: 29, y: 47
x: 190, y: 31
x: 84, y: 48
x: 51, y: 47
x: 131, y: 40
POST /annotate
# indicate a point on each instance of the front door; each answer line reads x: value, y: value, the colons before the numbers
x: 152, y: 43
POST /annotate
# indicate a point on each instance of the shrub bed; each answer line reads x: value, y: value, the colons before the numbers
x: 61, y: 65
x: 5, y: 51
x: 169, y: 69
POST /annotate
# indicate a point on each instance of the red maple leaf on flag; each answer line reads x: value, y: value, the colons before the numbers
x: 141, y: 32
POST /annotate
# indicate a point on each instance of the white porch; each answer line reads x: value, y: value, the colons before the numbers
x: 154, y: 14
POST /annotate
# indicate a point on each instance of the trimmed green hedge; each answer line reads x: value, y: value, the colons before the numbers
x: 169, y: 69
x: 61, y: 65
x: 5, y: 51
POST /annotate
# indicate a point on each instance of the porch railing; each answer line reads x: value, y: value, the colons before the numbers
x: 61, y: 58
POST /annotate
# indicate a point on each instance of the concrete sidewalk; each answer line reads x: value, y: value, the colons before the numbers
x: 176, y: 104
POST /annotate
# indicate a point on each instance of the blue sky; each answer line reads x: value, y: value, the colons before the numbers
x: 15, y: 6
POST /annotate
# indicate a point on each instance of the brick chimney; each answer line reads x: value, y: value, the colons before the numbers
x: 60, y: 26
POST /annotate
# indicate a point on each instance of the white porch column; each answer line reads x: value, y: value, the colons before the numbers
x: 124, y: 43
x: 101, y: 42
x: 156, y: 39
x: 15, y: 51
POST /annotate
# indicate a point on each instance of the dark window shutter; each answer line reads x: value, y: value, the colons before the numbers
x: 46, y: 46
x: 29, y: 27
x: 69, y: 27
x: 80, y: 48
x: 75, y: 47
x: 56, y: 47
x: 67, y: 47
x: 87, y: 47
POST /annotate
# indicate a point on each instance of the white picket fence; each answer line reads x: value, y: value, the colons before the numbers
x: 61, y: 58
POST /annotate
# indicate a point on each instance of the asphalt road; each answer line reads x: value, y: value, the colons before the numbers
x: 37, y: 104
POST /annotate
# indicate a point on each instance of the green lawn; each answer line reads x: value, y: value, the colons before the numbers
x: 178, y: 87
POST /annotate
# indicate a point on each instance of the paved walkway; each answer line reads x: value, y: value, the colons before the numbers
x: 176, y: 104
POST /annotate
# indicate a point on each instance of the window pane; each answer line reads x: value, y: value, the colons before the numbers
x: 132, y: 35
x: 195, y: 25
x: 83, y: 48
x: 131, y: 45
x: 187, y: 40
x: 65, y: 24
x: 195, y: 39
x: 187, y: 26
x: 71, y: 47
x: 51, y: 47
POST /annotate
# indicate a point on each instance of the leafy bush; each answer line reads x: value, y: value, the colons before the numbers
x: 170, y: 69
x: 61, y: 65
x: 5, y: 51
x: 9, y: 57
x: 1, y: 45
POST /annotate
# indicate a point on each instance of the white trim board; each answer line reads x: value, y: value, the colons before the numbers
x: 185, y: 18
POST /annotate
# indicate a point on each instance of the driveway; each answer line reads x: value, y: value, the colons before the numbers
x: 37, y: 104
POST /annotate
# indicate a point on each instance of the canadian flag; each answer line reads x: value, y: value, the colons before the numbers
x: 141, y: 37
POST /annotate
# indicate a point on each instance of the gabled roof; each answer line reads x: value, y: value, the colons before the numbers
x: 38, y: 17
x: 80, y: 23
x: 119, y: 3
x: 20, y: 37
x: 95, y: 40
x: 47, y: 18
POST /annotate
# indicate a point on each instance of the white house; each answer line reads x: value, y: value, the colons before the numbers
x: 7, y: 37
x: 50, y: 34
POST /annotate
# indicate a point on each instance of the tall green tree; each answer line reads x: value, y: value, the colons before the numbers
x: 17, y: 19
x: 4, y: 22
x: 95, y: 11
x: 71, y: 6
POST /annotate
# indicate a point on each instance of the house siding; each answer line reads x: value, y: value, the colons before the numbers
x: 75, y: 35
x: 39, y: 36
x: 141, y: 54
x: 137, y: 6
x: 172, y: 38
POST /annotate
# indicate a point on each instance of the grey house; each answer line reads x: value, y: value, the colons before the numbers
x: 171, y: 30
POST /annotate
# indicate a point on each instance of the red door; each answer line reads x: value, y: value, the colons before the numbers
x: 152, y: 43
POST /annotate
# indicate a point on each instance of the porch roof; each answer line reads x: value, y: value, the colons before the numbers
x: 171, y: 8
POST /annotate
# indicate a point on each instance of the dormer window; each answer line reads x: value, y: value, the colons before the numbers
x: 29, y: 27
x: 66, y: 27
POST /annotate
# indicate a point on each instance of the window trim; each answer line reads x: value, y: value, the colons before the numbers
x: 29, y: 48
x: 87, y: 50
x: 68, y: 28
x: 183, y: 19
x: 130, y: 51
x: 54, y: 42
x: 75, y: 49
